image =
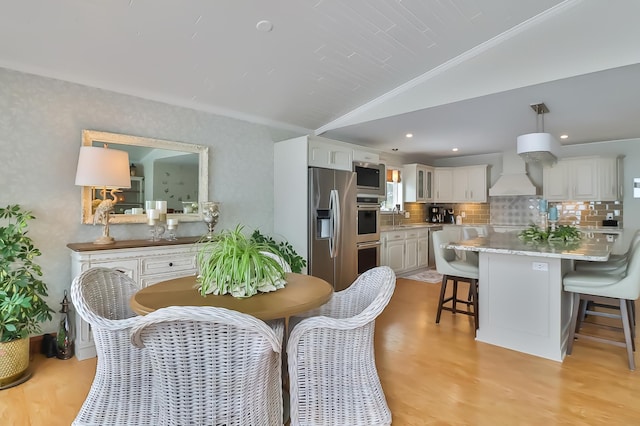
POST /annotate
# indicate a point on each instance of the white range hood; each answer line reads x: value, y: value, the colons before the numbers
x: 514, y: 179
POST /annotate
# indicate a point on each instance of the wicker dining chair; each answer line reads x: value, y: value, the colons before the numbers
x: 332, y: 373
x: 213, y: 366
x: 121, y: 390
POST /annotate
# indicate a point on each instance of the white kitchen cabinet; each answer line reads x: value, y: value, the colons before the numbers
x: 418, y: 183
x: 470, y: 184
x: 145, y: 262
x: 330, y: 156
x: 366, y: 156
x: 608, y: 185
x: 582, y: 179
x: 405, y: 250
x: 394, y: 251
x: 423, y: 248
x: 411, y: 250
x: 443, y: 184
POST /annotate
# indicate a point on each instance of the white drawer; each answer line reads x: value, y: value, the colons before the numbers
x: 392, y: 236
x: 412, y: 234
x: 168, y: 264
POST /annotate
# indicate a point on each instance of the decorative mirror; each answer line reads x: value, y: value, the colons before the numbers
x: 161, y: 170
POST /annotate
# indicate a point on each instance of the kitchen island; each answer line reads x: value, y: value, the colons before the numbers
x: 522, y: 305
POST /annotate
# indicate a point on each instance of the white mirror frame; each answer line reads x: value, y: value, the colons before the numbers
x: 91, y: 136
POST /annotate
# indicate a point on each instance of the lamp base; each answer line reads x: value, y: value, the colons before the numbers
x: 105, y: 239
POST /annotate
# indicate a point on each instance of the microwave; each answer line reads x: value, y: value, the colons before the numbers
x: 371, y: 178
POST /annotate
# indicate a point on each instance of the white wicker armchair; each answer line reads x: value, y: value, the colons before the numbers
x: 121, y: 390
x: 332, y: 373
x: 213, y: 366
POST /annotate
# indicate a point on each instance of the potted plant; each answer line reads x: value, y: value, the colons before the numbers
x: 232, y: 263
x: 22, y: 307
x: 283, y: 249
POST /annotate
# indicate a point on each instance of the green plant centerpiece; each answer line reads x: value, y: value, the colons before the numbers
x: 232, y: 263
x: 22, y: 307
x: 561, y: 234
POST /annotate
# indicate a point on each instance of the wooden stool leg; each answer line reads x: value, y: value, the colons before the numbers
x: 627, y: 333
x: 443, y: 289
x: 474, y: 289
x: 632, y: 324
x: 575, y: 312
x: 455, y: 295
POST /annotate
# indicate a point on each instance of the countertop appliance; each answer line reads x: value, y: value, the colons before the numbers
x: 434, y: 214
x: 332, y: 226
x: 371, y: 178
x: 448, y: 216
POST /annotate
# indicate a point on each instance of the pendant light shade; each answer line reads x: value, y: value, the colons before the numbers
x: 539, y: 147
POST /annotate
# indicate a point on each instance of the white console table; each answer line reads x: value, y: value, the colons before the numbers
x: 146, y: 262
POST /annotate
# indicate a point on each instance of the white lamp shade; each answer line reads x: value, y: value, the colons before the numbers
x: 103, y: 167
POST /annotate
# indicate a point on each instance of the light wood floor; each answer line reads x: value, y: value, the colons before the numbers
x: 431, y: 374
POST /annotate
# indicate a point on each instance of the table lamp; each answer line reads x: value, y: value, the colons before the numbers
x: 107, y: 169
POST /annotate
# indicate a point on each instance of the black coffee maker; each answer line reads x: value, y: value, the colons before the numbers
x: 448, y: 216
x: 434, y: 214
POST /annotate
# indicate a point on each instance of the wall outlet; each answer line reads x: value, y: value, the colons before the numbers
x: 540, y: 266
x: 463, y: 214
x: 609, y: 216
x: 407, y: 215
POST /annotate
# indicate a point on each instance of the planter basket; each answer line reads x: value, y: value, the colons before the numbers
x: 14, y: 360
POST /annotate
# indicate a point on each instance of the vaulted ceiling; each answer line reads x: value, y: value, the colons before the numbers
x: 455, y: 73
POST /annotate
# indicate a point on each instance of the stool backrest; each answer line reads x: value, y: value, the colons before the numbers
x: 629, y: 286
x: 444, y: 256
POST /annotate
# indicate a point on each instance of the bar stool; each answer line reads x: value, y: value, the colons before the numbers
x: 608, y: 289
x: 616, y: 264
x: 455, y: 270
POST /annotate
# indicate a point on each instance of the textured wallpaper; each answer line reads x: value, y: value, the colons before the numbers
x: 41, y: 121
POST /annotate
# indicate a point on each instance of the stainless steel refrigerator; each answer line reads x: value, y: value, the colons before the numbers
x: 332, y: 226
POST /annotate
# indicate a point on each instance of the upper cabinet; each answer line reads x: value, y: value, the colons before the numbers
x: 582, y: 179
x: 418, y: 183
x: 443, y: 184
x: 366, y: 156
x: 330, y: 156
x: 470, y: 184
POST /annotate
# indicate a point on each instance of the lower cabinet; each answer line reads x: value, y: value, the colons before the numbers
x: 146, y: 265
x: 405, y: 250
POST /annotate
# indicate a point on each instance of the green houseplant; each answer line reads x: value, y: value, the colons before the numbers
x: 232, y: 263
x: 283, y: 249
x: 22, y: 307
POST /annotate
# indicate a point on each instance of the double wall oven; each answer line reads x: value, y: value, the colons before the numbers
x: 368, y: 232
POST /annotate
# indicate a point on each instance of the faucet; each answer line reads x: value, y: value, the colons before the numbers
x: 396, y: 209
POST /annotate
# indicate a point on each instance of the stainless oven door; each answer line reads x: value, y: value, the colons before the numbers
x: 368, y: 226
x: 368, y: 256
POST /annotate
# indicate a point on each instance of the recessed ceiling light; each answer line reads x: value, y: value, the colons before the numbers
x: 264, y: 26
x: 455, y: 150
x: 409, y: 135
x: 564, y: 136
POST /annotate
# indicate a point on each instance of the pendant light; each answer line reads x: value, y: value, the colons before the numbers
x: 539, y: 147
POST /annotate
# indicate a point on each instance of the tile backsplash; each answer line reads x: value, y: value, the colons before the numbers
x: 516, y: 210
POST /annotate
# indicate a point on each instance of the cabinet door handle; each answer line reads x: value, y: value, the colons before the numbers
x: 170, y: 263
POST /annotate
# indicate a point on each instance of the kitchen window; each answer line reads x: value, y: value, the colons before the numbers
x: 393, y: 193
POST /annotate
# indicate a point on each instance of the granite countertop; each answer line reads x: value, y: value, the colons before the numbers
x: 406, y: 226
x: 595, y: 249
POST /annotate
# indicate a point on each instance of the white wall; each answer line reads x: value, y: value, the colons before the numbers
x: 41, y: 121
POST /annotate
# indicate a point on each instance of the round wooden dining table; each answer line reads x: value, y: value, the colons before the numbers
x: 302, y: 293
